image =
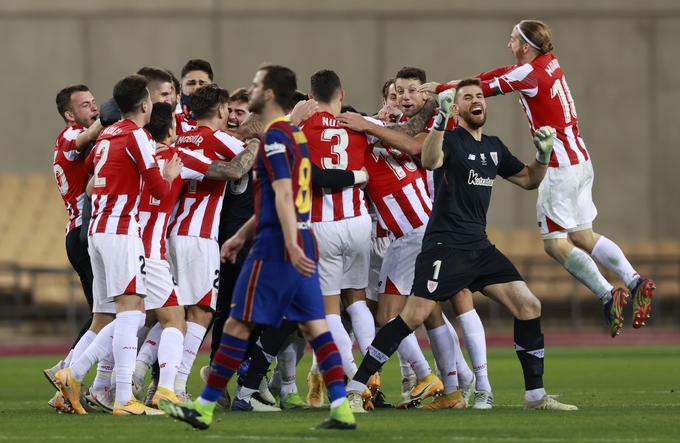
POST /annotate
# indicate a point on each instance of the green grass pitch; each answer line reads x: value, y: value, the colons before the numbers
x: 624, y: 395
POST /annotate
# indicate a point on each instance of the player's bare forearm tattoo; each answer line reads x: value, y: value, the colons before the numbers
x: 237, y: 167
x: 416, y: 124
x: 251, y: 128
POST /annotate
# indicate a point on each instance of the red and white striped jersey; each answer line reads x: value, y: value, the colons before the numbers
x: 122, y: 159
x: 333, y: 147
x: 154, y: 213
x: 71, y: 174
x: 200, y: 203
x: 546, y: 100
x: 428, y: 175
x: 397, y: 190
x: 183, y: 123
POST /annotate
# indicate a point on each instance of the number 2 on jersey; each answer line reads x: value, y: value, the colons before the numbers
x: 102, y: 153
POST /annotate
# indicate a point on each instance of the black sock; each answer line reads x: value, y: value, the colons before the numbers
x: 384, y: 344
x: 529, y: 348
x: 270, y: 343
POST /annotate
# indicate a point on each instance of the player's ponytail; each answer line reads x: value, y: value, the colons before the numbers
x: 537, y: 34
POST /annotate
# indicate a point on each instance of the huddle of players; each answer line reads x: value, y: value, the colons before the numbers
x: 353, y: 160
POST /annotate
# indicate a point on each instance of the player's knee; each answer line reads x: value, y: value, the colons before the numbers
x: 530, y: 307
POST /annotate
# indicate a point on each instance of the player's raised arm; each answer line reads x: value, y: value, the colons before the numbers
x: 238, y: 166
x: 532, y: 175
x: 407, y: 138
x: 432, y: 155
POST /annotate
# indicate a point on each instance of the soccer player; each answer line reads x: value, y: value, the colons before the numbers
x: 456, y: 253
x: 389, y: 112
x: 77, y: 106
x: 123, y: 159
x: 279, y: 277
x: 565, y: 206
x: 154, y: 215
x: 193, y: 251
x: 340, y: 219
x: 195, y: 74
x: 161, y: 86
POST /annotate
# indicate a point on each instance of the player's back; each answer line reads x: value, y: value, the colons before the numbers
x: 333, y: 147
x: 70, y: 174
x: 200, y: 202
x: 397, y: 190
x: 283, y: 154
x: 123, y: 151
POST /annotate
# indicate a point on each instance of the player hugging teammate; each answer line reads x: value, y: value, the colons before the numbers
x: 319, y: 213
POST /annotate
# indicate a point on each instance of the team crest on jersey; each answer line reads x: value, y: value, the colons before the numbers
x: 432, y: 285
x: 494, y: 157
x: 483, y: 157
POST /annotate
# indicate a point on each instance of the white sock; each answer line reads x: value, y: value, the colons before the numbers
x: 315, y: 365
x: 142, y: 334
x: 405, y: 366
x: 148, y: 353
x: 355, y: 386
x: 363, y: 324
x: 286, y: 365
x: 410, y: 350
x: 444, y: 350
x: 66, y: 362
x: 125, y: 352
x: 169, y: 356
x: 80, y: 347
x: 100, y: 346
x: 580, y: 265
x: 465, y: 374
x: 102, y: 382
x: 192, y: 342
x: 534, y: 394
x: 344, y: 344
x: 608, y: 254
x: 475, y: 341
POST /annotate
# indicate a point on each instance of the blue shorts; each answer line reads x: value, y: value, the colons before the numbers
x: 266, y: 292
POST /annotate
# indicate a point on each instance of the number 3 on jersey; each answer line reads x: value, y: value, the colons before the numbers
x: 339, y: 149
x: 303, y: 200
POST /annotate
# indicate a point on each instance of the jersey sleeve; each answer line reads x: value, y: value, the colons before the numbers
x: 508, y: 164
x: 276, y: 146
x: 139, y: 148
x: 89, y: 162
x: 372, y: 139
x: 490, y: 75
x: 195, y: 164
x: 520, y: 78
x: 229, y: 147
x: 67, y: 143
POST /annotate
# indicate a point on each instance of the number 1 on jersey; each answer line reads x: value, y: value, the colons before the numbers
x: 437, y: 264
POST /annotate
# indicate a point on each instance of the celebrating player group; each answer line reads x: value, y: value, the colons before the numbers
x: 281, y: 219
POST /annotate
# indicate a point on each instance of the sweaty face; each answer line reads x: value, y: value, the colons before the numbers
x: 257, y: 101
x: 471, y: 106
x: 238, y: 113
x: 408, y: 97
x: 162, y: 92
x: 194, y: 80
x: 84, y: 108
x: 391, y: 99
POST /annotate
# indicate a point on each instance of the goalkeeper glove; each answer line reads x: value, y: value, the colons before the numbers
x: 445, y: 100
x: 543, y: 140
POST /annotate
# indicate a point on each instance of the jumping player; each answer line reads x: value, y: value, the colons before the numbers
x: 565, y: 206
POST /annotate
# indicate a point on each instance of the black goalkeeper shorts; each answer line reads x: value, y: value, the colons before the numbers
x: 442, y: 272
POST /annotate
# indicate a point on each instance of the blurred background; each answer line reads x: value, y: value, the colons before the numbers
x: 619, y: 56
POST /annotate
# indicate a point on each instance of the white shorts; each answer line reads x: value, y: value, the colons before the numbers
x: 160, y: 288
x: 398, y: 267
x: 118, y: 268
x: 195, y: 265
x: 565, y: 201
x: 344, y: 251
x: 379, y: 247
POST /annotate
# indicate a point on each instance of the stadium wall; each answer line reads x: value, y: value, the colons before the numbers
x: 619, y: 57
